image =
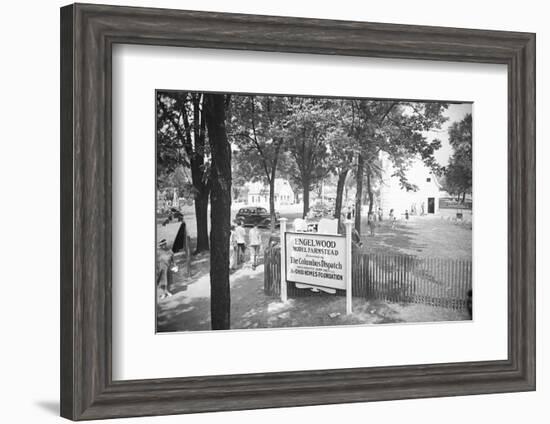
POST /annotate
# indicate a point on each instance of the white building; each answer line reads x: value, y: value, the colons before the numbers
x: 393, y: 196
x: 258, y: 193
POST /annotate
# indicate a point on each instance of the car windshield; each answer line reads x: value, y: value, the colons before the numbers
x: 261, y: 211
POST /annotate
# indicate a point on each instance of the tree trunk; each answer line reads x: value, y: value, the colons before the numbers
x: 220, y: 212
x: 201, y: 214
x: 201, y: 203
x: 272, y: 187
x: 305, y: 196
x: 197, y: 174
x: 463, y: 197
x: 369, y: 192
x: 272, y: 203
x: 359, y: 192
x: 340, y: 195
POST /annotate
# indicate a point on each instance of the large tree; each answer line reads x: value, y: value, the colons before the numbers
x: 258, y: 128
x: 343, y: 149
x: 181, y: 132
x: 397, y: 129
x: 313, y: 120
x: 458, y: 174
x: 220, y: 211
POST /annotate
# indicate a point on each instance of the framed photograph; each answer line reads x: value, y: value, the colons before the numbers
x: 264, y: 212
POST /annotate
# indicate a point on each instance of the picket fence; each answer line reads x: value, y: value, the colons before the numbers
x: 394, y: 278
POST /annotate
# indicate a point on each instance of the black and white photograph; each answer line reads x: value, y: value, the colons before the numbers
x: 280, y: 211
x: 275, y: 212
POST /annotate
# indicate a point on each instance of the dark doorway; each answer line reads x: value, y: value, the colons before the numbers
x: 431, y: 204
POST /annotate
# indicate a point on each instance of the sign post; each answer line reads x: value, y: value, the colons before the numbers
x: 349, y: 225
x: 318, y: 261
x: 283, y: 262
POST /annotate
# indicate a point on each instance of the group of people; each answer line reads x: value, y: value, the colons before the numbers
x: 414, y: 210
x: 238, y: 245
x: 392, y: 217
x: 166, y: 266
x: 379, y: 216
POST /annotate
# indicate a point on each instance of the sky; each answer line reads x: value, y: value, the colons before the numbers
x: 455, y: 113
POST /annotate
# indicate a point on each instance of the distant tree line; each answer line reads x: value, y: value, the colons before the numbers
x: 458, y: 174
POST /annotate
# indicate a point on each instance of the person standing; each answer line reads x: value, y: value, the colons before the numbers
x: 165, y: 262
x: 255, y: 240
x: 240, y: 234
x: 371, y: 224
x: 232, y: 249
x: 392, y: 218
x: 380, y: 214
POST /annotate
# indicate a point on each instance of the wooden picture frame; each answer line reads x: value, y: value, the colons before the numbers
x: 88, y: 33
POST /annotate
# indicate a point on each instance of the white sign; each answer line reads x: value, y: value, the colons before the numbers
x: 316, y: 259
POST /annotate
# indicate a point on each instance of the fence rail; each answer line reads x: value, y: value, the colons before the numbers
x: 394, y: 278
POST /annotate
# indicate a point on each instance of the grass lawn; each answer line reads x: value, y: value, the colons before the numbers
x: 427, y: 236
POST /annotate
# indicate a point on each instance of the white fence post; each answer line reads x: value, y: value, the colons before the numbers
x: 349, y: 225
x: 283, y: 260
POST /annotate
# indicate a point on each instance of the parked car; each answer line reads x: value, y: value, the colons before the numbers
x: 252, y: 215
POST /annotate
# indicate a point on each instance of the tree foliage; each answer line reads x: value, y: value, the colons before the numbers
x: 258, y: 128
x: 458, y: 174
x: 180, y: 179
x: 397, y: 129
x: 314, y: 123
x: 181, y: 141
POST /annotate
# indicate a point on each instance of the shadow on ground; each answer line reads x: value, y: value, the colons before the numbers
x: 250, y: 308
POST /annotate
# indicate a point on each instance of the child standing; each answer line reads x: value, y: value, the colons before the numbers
x: 255, y: 240
x: 240, y: 234
x: 165, y: 263
x: 232, y: 249
x: 392, y: 218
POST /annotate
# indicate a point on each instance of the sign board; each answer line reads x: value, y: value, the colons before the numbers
x: 316, y: 259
